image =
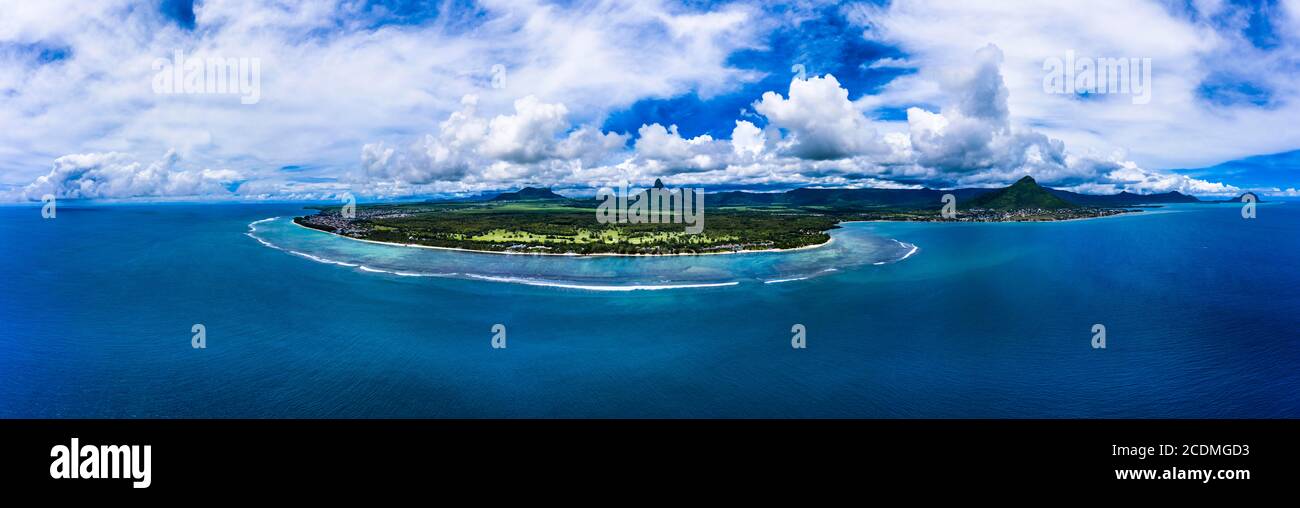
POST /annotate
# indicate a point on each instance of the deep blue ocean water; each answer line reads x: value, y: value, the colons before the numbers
x: 1201, y: 308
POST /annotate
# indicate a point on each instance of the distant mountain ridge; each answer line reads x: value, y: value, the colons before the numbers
x: 1239, y: 198
x: 528, y: 194
x: 1025, y: 193
x: 1035, y: 197
x: 1123, y: 198
x: 873, y: 198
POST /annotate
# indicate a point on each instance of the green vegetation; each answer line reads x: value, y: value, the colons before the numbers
x: 540, y: 221
x: 569, y: 226
x: 1024, y: 194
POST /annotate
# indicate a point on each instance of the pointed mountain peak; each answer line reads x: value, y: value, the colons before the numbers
x: 1024, y: 194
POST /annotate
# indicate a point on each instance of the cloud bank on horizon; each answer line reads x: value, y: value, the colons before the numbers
x: 416, y: 98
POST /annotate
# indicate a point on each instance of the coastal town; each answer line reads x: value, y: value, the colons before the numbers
x: 988, y: 215
x: 333, y: 221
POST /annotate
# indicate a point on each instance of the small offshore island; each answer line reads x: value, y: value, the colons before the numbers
x: 538, y: 221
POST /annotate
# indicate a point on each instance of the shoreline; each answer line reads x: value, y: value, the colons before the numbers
x: 754, y: 251
x: 1123, y: 214
x: 566, y: 254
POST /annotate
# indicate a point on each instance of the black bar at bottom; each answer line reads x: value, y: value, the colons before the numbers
x: 236, y: 455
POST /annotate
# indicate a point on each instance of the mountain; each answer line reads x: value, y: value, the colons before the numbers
x: 741, y: 198
x: 1025, y: 193
x: 1123, y: 199
x: 853, y: 198
x: 1238, y: 199
x: 930, y: 198
x: 528, y: 194
x: 845, y: 198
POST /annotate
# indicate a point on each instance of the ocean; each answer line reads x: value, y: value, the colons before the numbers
x: 1201, y: 311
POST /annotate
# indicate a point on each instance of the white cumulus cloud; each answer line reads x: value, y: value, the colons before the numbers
x: 115, y: 175
x: 820, y: 120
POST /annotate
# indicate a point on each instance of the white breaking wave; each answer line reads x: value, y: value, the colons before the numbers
x: 905, y: 256
x: 252, y: 226
x: 589, y: 287
x: 319, y: 259
x: 806, y: 277
x: 410, y: 274
x: 514, y: 280
x: 263, y: 242
x: 909, y: 253
x: 546, y: 283
x: 365, y: 268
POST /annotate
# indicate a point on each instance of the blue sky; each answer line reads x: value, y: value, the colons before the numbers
x: 826, y: 43
x: 419, y: 98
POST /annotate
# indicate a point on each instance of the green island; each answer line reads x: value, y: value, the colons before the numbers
x: 539, y: 221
